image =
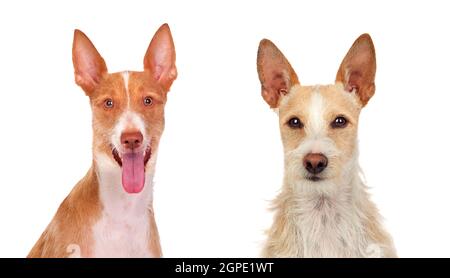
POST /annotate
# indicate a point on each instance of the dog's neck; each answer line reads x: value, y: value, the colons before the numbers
x: 329, y: 217
x: 114, y: 199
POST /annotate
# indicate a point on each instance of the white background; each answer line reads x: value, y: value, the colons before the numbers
x: 220, y: 160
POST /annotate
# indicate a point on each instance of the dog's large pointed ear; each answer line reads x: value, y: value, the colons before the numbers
x: 357, y: 70
x: 89, y: 66
x: 275, y: 73
x: 160, y: 57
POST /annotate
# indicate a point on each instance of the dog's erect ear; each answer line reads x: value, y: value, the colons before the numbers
x: 275, y: 73
x: 160, y: 57
x: 89, y: 66
x: 357, y: 70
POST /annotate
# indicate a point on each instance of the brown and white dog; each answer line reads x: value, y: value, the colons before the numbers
x: 323, y: 209
x: 109, y: 213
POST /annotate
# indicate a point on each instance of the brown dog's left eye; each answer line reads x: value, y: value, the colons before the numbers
x: 339, y: 122
x: 148, y: 101
x: 109, y: 103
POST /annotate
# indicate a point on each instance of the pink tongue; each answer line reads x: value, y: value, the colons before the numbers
x: 133, y: 176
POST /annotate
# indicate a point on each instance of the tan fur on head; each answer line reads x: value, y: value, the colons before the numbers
x: 330, y: 215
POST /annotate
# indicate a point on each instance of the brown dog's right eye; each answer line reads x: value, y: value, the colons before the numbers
x: 109, y: 103
x: 295, y: 123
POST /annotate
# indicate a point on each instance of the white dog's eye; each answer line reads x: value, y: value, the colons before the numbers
x: 148, y: 101
x: 109, y: 103
x: 295, y: 123
x: 339, y: 122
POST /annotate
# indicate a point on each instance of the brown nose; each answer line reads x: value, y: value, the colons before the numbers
x: 315, y: 162
x: 131, y: 139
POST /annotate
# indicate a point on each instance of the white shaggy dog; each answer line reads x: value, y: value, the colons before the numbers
x: 323, y: 209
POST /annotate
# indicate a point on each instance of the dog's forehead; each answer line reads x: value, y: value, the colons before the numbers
x: 136, y: 82
x: 141, y: 80
x: 333, y: 96
x: 129, y: 84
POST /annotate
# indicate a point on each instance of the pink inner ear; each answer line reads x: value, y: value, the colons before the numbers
x: 157, y: 72
x: 161, y: 60
x: 354, y: 81
x: 279, y: 82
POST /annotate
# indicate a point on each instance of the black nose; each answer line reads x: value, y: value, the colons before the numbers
x: 315, y: 162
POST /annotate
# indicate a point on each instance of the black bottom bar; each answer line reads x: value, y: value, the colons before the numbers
x: 221, y: 267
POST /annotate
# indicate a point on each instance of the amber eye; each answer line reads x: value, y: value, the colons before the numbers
x: 109, y: 103
x: 148, y: 101
x: 295, y: 123
x: 339, y: 122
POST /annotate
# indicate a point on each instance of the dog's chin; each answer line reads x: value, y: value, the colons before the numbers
x: 314, y: 178
x: 118, y: 156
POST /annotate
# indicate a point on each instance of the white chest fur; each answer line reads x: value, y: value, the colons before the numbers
x: 333, y: 225
x: 327, y: 228
x: 122, y: 236
x: 124, y: 227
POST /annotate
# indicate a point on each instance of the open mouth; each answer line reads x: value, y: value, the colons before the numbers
x: 133, y: 168
x: 118, y: 158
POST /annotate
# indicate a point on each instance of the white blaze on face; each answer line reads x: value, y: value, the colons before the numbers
x: 126, y: 79
x: 316, y: 126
